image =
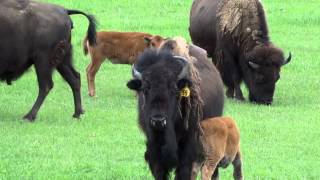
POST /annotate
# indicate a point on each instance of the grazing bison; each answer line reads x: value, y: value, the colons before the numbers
x: 235, y: 35
x: 39, y: 34
x: 174, y: 94
x: 221, y: 144
x: 119, y: 48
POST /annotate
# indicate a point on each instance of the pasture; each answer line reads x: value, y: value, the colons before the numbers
x: 278, y: 142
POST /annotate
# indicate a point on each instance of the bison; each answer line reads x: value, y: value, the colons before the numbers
x: 221, y: 144
x: 235, y: 35
x: 119, y: 48
x: 39, y: 34
x: 174, y: 95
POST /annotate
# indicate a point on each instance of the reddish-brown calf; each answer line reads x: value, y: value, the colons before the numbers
x: 221, y: 145
x: 119, y: 48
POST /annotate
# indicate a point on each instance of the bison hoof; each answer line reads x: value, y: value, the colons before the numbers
x: 92, y: 94
x: 29, y: 117
x: 240, y: 98
x: 77, y: 114
x: 229, y: 95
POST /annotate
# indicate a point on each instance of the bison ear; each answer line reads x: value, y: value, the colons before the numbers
x: 184, y: 83
x: 147, y: 40
x: 134, y: 84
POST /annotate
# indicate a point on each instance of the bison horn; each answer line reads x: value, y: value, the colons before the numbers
x: 185, y: 68
x: 288, y: 59
x: 135, y: 73
x: 254, y: 65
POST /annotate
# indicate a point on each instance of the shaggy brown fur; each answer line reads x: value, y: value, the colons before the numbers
x: 240, y: 18
x: 221, y: 145
x: 179, y: 47
x: 119, y: 48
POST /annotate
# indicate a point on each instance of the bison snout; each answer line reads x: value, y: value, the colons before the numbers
x: 158, y: 122
x: 261, y: 101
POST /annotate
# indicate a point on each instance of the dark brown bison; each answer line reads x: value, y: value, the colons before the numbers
x: 119, y: 48
x: 174, y: 94
x: 39, y: 34
x: 235, y: 35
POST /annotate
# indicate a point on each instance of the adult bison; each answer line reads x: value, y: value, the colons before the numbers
x: 174, y: 94
x: 39, y: 34
x: 235, y: 35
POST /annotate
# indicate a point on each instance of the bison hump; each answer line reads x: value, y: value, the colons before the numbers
x: 15, y: 4
x: 238, y: 17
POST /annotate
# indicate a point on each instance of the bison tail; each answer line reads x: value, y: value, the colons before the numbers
x: 92, y: 32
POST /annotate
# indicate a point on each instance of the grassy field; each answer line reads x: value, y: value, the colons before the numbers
x: 281, y: 141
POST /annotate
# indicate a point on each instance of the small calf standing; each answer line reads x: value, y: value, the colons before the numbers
x: 221, y: 145
x: 119, y: 48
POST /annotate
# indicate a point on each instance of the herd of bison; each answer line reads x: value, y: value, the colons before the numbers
x: 179, y: 85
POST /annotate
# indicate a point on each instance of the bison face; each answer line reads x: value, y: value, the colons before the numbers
x: 264, y: 71
x: 158, y: 79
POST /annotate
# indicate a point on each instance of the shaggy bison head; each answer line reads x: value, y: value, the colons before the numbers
x: 159, y: 78
x: 264, y: 71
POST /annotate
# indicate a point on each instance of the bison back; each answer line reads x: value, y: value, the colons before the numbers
x: 28, y: 28
x: 202, y: 28
x: 211, y: 86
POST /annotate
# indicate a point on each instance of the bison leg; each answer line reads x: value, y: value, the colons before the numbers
x: 208, y: 170
x: 230, y: 73
x: 92, y: 70
x: 73, y: 78
x: 196, y: 166
x: 44, y: 75
x: 230, y: 92
x: 215, y: 175
x: 159, y: 173
x: 237, y: 167
x: 186, y: 159
x: 238, y: 93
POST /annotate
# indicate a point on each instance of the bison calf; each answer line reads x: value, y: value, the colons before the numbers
x: 119, y: 48
x: 221, y: 144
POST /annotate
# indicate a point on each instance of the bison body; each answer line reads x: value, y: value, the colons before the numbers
x: 235, y: 35
x: 39, y: 34
x: 221, y: 145
x: 174, y: 95
x: 118, y: 48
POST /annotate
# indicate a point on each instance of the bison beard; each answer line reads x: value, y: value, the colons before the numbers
x: 169, y: 121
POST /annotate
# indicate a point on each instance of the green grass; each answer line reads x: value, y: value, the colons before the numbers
x: 278, y: 142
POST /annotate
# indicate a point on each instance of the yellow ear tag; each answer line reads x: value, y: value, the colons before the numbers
x: 185, y: 92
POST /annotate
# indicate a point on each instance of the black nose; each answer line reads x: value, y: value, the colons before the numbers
x: 158, y: 121
x: 265, y: 101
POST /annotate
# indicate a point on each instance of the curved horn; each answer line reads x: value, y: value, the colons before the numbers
x: 135, y: 73
x: 254, y: 65
x: 288, y: 59
x: 185, y: 68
